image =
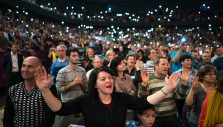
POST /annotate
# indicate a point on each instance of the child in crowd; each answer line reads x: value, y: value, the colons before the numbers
x: 146, y: 118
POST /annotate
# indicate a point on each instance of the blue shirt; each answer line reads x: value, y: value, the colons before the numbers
x: 176, y: 66
x: 56, y: 66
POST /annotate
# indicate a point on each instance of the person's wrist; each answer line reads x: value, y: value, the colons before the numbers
x: 42, y: 90
x: 163, y: 92
x: 167, y: 90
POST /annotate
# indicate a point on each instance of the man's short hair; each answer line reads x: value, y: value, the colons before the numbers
x: 71, y: 49
x: 157, y: 60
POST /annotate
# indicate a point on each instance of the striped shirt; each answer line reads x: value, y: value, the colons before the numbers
x: 167, y: 107
x: 149, y: 65
x: 65, y: 76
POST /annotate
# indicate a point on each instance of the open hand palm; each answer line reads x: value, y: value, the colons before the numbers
x: 43, y: 80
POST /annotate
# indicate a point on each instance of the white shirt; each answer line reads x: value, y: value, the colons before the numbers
x: 15, y: 65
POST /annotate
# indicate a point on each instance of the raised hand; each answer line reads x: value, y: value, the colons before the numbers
x: 195, y: 82
x: 43, y: 80
x: 138, y: 64
x: 185, y: 76
x: 145, y: 76
x: 172, y: 81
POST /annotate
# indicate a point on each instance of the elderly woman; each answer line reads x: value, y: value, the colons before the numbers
x: 204, y: 83
x: 109, y: 106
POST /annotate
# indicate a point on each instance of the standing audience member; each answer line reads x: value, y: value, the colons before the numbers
x: 203, y: 84
x: 133, y: 69
x: 218, y: 52
x: 123, y: 82
x: 149, y: 65
x: 166, y: 113
x: 89, y: 56
x: 185, y: 82
x: 70, y: 83
x: 61, y: 61
x: 196, y: 57
x: 212, y: 109
x: 175, y: 57
x: 97, y: 62
x: 12, y: 65
x: 110, y: 107
x: 206, y: 60
x: 141, y: 56
x: 110, y: 54
x: 25, y: 106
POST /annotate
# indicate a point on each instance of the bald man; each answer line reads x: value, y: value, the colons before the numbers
x: 25, y: 106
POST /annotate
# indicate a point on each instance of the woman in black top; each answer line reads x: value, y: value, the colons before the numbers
x: 101, y: 107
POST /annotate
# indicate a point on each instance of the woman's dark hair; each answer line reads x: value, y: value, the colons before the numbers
x: 184, y: 57
x: 92, y: 90
x: 203, y: 70
x: 114, y: 64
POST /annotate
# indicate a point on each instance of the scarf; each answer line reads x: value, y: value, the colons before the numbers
x: 214, y: 109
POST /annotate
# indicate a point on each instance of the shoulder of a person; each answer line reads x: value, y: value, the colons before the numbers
x: 81, y: 68
x: 63, y: 70
x: 16, y: 87
x: 127, y: 76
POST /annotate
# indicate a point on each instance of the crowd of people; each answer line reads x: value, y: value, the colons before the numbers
x: 160, y: 14
x: 55, y: 75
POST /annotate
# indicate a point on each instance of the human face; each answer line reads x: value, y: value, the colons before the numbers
x: 153, y: 54
x: 206, y: 57
x: 111, y: 56
x: 147, y: 118
x: 121, y: 67
x: 74, y: 58
x: 183, y: 47
x: 140, y: 54
x: 131, y: 61
x: 162, y: 68
x: 195, y: 55
x: 104, y: 84
x: 210, y: 77
x: 219, y: 51
x: 15, y: 48
x: 29, y: 68
x: 187, y: 63
x: 97, y: 63
x: 61, y: 52
x: 90, y: 53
